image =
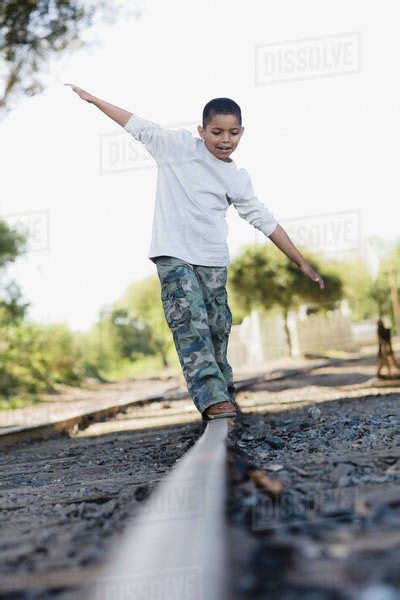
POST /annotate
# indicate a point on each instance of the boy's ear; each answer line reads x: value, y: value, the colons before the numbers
x: 200, y: 129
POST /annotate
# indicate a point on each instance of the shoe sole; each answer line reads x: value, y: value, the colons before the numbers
x: 221, y: 416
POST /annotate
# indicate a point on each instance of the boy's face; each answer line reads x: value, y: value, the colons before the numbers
x: 222, y: 135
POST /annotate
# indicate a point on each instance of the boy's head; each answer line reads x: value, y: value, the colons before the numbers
x: 222, y: 127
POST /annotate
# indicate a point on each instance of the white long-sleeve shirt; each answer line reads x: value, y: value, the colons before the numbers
x: 194, y: 191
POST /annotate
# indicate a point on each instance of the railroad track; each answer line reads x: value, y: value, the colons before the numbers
x: 174, y: 541
x: 10, y: 435
x: 68, y: 477
x: 118, y: 515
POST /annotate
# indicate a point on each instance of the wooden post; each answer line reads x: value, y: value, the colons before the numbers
x: 394, y: 298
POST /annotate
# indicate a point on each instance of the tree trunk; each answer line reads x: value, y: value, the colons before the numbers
x: 164, y: 359
x: 287, y: 331
x: 92, y: 371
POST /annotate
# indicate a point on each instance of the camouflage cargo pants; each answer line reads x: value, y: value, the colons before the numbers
x: 196, y: 309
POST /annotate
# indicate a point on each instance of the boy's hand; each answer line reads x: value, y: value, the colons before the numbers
x: 281, y: 239
x: 81, y: 93
x: 117, y: 114
x: 309, y: 271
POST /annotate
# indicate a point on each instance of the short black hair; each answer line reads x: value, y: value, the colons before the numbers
x: 224, y: 106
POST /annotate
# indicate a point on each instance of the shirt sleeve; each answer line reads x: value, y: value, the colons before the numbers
x: 251, y: 208
x: 161, y: 143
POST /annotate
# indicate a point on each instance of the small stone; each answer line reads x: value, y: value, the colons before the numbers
x: 23, y: 479
x: 39, y: 482
x: 340, y: 474
x: 90, y: 555
x: 379, y: 591
x: 142, y: 492
x: 313, y: 413
x: 263, y: 454
x: 44, y: 535
x: 274, y: 441
x: 274, y: 467
x: 108, y: 508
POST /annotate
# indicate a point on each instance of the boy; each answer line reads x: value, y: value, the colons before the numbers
x: 197, y: 181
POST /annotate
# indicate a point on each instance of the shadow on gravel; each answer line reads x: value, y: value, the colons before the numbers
x: 320, y: 379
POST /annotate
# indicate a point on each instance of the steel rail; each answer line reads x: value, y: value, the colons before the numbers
x: 175, y: 547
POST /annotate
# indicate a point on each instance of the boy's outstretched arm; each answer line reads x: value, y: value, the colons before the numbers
x: 284, y: 243
x: 162, y: 143
x: 119, y: 115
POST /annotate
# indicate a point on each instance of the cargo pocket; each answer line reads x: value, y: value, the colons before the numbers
x: 175, y: 303
x: 224, y: 315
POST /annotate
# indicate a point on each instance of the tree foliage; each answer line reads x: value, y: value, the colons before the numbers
x: 387, y: 285
x: 34, y: 31
x: 12, y: 245
x: 369, y: 298
x: 33, y: 358
x: 142, y: 302
x: 357, y: 283
x: 262, y: 276
x: 36, y: 357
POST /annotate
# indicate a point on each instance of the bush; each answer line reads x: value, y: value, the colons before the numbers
x: 34, y: 358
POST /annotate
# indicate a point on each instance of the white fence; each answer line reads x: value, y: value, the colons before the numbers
x: 261, y: 337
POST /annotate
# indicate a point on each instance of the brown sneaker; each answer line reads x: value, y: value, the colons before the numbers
x: 221, y: 410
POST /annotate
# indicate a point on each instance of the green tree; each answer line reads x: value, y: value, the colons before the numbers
x: 142, y: 302
x: 33, y: 358
x: 100, y: 347
x: 261, y: 276
x: 239, y: 311
x: 385, y: 290
x: 12, y: 245
x: 37, y: 357
x: 370, y: 298
x: 357, y: 284
x: 12, y: 309
x: 132, y: 335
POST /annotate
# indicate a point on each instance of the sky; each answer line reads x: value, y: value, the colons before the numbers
x: 318, y: 87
